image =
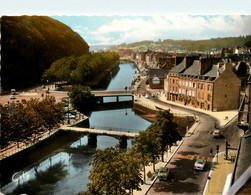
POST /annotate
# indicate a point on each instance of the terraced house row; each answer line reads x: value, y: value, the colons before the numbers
x: 205, y: 83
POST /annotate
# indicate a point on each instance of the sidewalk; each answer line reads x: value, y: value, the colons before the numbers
x: 168, y: 155
x: 224, y: 117
x: 218, y: 174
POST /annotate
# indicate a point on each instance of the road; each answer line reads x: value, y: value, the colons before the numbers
x: 183, y: 178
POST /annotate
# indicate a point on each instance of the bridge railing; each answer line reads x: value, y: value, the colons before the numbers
x: 115, y: 129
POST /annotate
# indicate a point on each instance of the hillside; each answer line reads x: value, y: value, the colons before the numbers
x: 30, y: 44
x: 190, y: 45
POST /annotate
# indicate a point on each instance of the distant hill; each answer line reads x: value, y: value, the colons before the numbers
x: 193, y: 45
x: 29, y: 44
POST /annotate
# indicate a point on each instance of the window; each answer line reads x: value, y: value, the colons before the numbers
x: 209, y: 87
x: 170, y: 90
x: 198, y: 85
x: 194, y: 85
x: 176, y: 90
x: 193, y: 94
x: 184, y: 92
x: 179, y: 91
x: 186, y: 83
x: 180, y: 83
x: 208, y: 97
x: 173, y: 90
x: 189, y: 93
x: 190, y: 84
x: 202, y: 86
x: 176, y: 81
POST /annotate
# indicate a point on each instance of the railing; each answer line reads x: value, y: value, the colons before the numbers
x: 24, y: 146
x: 114, y: 129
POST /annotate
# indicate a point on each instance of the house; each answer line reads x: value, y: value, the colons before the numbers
x: 157, y: 77
x: 205, y: 83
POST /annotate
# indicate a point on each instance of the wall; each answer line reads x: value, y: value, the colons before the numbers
x: 226, y: 90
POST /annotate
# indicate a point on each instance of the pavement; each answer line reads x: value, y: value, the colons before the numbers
x: 218, y: 174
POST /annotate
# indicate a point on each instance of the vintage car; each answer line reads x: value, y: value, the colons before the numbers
x: 200, y: 164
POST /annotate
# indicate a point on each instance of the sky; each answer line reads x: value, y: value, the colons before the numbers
x: 126, y: 21
x: 127, y: 29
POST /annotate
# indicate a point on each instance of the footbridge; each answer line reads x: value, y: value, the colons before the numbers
x: 93, y: 133
x: 117, y: 94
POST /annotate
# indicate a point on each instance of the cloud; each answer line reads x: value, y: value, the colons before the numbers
x: 138, y: 28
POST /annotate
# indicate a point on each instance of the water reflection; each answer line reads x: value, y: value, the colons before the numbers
x: 72, y: 163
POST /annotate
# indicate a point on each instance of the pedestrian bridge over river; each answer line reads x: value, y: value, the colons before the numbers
x: 117, y: 94
x: 92, y: 134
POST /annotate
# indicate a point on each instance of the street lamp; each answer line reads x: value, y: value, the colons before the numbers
x: 68, y: 120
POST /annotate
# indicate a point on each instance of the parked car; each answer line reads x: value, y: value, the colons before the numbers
x: 216, y: 133
x: 70, y: 116
x: 12, y: 97
x: 200, y: 164
x: 163, y: 173
x: 147, y: 96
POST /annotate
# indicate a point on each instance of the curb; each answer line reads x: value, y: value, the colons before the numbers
x: 165, y: 165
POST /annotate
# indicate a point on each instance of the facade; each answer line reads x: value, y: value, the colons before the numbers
x: 157, y: 78
x: 205, y: 83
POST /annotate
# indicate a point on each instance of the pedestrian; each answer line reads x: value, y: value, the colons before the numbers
x: 211, y: 152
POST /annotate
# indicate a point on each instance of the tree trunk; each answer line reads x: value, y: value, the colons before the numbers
x: 144, y: 173
x: 162, y: 155
x: 154, y: 164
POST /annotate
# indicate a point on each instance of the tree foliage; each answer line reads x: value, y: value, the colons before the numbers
x: 114, y: 172
x: 81, y: 70
x: 82, y: 99
x: 30, y: 44
x: 23, y: 122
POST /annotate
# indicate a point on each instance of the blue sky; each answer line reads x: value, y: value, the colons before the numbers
x: 119, y: 21
x: 128, y: 29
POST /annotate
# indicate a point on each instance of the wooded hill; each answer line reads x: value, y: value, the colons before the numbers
x: 29, y: 44
x: 197, y: 45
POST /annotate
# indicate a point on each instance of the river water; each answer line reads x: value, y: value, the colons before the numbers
x: 66, y: 171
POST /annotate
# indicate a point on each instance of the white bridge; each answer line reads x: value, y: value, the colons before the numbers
x: 100, y: 131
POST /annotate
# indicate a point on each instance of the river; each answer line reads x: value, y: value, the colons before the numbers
x: 66, y: 170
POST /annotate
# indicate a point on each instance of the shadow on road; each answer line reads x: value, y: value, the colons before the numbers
x: 188, y: 153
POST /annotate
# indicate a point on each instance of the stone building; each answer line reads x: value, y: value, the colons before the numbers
x: 205, y: 83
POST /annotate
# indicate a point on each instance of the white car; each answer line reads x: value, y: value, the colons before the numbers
x: 12, y: 97
x: 69, y: 116
x: 200, y: 164
x: 216, y: 133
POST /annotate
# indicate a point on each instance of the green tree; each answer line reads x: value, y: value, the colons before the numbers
x: 168, y: 130
x: 114, y: 172
x: 140, y: 147
x: 82, y: 99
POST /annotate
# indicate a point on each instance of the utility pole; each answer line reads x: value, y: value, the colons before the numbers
x: 226, y: 155
x: 217, y: 151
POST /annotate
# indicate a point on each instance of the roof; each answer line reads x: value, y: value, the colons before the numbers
x: 160, y: 73
x: 213, y: 71
x: 179, y: 68
x: 193, y: 70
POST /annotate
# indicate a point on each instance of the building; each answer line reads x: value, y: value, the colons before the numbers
x: 205, y: 83
x: 157, y: 78
x: 240, y: 181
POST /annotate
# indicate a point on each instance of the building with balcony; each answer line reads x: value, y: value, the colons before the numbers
x: 205, y: 83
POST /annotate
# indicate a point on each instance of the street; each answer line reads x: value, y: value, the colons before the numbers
x: 183, y: 178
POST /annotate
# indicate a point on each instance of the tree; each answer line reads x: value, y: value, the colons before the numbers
x: 168, y: 130
x: 114, y: 172
x: 140, y: 148
x: 82, y: 99
x: 148, y: 144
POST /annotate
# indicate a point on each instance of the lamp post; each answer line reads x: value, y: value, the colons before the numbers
x: 68, y: 120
